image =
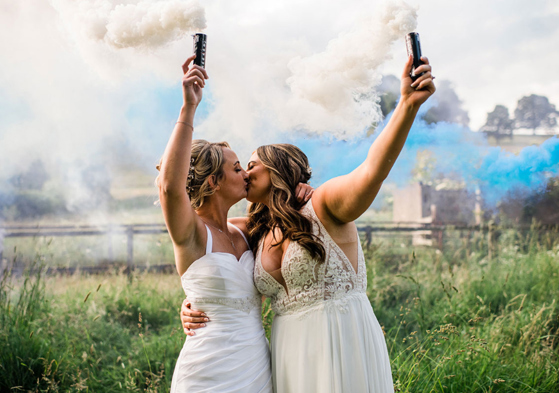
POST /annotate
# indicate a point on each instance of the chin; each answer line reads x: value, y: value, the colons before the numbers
x: 253, y: 197
x: 249, y: 198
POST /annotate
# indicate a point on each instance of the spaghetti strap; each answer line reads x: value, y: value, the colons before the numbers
x: 242, y: 234
x: 209, y: 241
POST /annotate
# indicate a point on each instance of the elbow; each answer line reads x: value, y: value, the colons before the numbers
x: 169, y: 189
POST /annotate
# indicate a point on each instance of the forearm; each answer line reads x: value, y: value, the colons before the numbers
x: 387, y: 147
x: 176, y: 158
x: 343, y: 199
x: 346, y: 198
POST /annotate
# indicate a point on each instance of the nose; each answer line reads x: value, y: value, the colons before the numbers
x: 245, y: 174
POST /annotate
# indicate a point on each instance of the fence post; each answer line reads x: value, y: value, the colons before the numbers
x: 440, y: 239
x: 2, y: 231
x: 130, y: 243
x: 490, y: 241
x: 110, y: 255
x: 368, y: 236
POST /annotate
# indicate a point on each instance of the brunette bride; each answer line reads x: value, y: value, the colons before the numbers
x: 309, y: 261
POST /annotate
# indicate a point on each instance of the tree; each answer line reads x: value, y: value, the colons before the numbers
x: 32, y: 179
x: 389, y: 90
x: 535, y: 111
x: 498, y: 122
x: 448, y: 107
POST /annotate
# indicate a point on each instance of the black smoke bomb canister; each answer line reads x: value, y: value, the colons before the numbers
x: 200, y: 42
x: 414, y: 49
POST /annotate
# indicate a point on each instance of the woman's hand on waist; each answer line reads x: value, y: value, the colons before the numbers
x: 192, y: 319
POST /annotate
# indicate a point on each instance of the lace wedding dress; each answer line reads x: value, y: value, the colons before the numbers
x: 231, y: 354
x: 325, y: 336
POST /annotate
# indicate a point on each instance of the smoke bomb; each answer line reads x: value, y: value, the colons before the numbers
x: 200, y: 42
x: 413, y: 47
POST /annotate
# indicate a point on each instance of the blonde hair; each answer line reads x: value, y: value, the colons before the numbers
x: 288, y: 166
x: 206, y: 160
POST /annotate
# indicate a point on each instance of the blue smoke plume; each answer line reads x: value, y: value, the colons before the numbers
x: 457, y: 151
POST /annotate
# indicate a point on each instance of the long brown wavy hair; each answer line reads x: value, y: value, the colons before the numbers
x: 288, y: 166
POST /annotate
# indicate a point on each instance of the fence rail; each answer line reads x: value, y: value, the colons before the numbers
x: 434, y: 231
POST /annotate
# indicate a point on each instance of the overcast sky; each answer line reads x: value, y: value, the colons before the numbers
x: 63, y: 91
x: 494, y: 51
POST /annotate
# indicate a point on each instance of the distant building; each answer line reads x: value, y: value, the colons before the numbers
x: 445, y: 204
x: 421, y: 203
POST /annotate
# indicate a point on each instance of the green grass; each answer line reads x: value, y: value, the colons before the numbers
x: 479, y: 316
x: 470, y: 324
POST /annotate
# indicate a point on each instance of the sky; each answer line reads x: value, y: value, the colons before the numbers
x: 82, y: 81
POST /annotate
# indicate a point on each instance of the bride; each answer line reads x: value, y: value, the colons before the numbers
x: 309, y: 261
x: 198, y: 182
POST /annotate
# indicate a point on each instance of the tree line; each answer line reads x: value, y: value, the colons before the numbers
x: 532, y: 112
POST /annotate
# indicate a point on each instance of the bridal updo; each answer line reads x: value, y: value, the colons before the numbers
x: 206, y: 160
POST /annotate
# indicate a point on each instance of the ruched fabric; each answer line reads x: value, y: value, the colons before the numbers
x: 231, y: 354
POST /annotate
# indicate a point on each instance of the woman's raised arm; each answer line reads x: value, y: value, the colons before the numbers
x: 179, y: 215
x: 345, y: 198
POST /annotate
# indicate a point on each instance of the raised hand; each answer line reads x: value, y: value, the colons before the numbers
x: 416, y: 93
x: 193, y: 81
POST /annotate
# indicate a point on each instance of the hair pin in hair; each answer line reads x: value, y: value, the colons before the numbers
x: 190, y: 177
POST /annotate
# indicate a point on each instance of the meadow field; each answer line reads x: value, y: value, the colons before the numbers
x: 480, y: 315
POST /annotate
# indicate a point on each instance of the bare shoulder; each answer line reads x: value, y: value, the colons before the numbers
x: 239, y: 222
x: 341, y: 232
x: 321, y: 209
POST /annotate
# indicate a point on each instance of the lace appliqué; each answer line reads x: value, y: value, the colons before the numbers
x: 339, y: 303
x: 264, y: 282
x: 246, y: 304
x: 311, y: 284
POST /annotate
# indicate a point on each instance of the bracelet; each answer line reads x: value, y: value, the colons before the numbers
x: 184, y: 122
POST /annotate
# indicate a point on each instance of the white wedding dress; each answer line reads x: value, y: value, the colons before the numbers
x: 231, y: 354
x: 325, y: 336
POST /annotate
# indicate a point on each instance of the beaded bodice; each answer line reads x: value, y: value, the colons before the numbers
x: 309, y: 282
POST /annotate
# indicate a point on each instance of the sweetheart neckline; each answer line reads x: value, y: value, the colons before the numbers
x: 238, y: 261
x: 227, y: 253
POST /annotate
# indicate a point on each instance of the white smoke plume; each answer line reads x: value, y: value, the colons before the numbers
x: 334, y: 89
x: 270, y: 83
x: 144, y: 24
x: 81, y: 80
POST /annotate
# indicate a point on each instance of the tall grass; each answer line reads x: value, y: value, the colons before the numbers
x: 99, y: 334
x: 23, y: 352
x: 458, y: 321
x: 480, y: 315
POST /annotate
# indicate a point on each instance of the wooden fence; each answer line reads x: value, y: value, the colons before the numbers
x: 85, y: 230
x: 435, y: 232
